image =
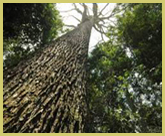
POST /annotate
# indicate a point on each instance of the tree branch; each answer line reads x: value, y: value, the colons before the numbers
x: 72, y: 26
x: 103, y: 9
x: 68, y: 10
x: 85, y: 7
x: 75, y: 18
x: 77, y: 9
x: 111, y: 15
x: 114, y: 11
x: 95, y: 9
x: 102, y: 25
x: 98, y: 29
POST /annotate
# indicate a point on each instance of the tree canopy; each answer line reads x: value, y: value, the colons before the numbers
x: 125, y: 74
x: 27, y: 27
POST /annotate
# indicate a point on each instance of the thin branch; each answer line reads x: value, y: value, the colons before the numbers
x: 100, y: 32
x: 67, y: 10
x: 114, y: 11
x: 102, y: 25
x: 103, y: 9
x: 111, y: 15
x: 102, y: 37
x: 81, y: 4
x: 75, y: 18
x: 98, y: 29
x: 103, y: 31
x: 102, y: 21
x: 106, y: 13
x: 99, y: 42
x: 77, y: 9
x: 72, y: 26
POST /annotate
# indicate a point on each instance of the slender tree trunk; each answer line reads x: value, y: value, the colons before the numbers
x: 47, y: 93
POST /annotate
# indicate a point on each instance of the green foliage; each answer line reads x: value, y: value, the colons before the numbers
x: 140, y: 29
x: 28, y: 25
x: 124, y: 83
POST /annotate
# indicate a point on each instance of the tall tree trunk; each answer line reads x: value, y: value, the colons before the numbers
x: 47, y: 93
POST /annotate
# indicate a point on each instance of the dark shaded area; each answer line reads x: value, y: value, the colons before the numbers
x: 26, y: 28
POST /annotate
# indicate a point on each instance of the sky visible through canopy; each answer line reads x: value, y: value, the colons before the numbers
x: 69, y: 20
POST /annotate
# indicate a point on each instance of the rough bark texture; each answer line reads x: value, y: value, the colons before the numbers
x: 47, y: 93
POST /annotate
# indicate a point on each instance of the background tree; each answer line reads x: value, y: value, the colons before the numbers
x: 141, y: 32
x: 26, y: 28
x: 125, y: 93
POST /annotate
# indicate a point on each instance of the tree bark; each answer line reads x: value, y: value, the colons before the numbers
x: 47, y: 93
